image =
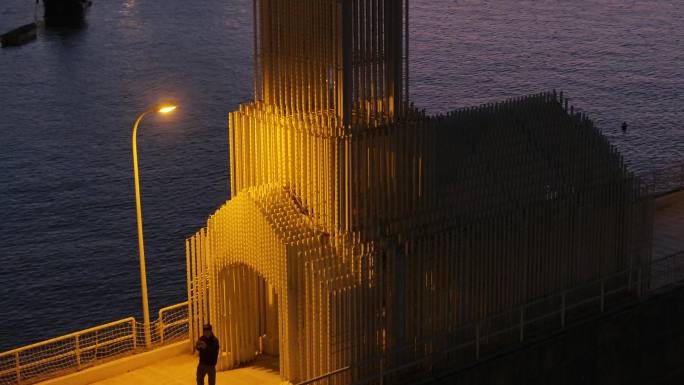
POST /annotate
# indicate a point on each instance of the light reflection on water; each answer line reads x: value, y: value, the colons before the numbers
x: 68, y: 241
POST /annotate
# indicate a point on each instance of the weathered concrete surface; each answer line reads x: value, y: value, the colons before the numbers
x: 668, y: 225
x: 175, y: 369
x: 180, y: 370
x: 639, y: 345
x: 668, y: 239
x: 120, y: 365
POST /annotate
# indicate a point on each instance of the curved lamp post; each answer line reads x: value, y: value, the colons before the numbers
x: 163, y: 109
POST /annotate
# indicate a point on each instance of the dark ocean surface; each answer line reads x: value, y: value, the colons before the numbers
x: 68, y: 251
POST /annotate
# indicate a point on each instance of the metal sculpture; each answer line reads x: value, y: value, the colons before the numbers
x: 359, y: 226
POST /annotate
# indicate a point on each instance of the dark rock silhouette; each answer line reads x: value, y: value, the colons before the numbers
x: 19, y: 36
x: 65, y: 13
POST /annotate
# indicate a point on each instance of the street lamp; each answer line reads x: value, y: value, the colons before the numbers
x: 163, y: 109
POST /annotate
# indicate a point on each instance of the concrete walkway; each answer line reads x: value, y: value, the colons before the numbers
x: 668, y: 226
x: 180, y: 370
x: 668, y: 240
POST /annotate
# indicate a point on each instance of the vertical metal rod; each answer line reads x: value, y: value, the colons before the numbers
x: 406, y: 58
x: 255, y: 32
x: 133, y: 332
x: 17, y: 366
x: 160, y: 326
x: 563, y: 310
x: 477, y: 341
x: 190, y: 299
x: 78, y: 352
x: 347, y: 81
x: 603, y: 296
x: 522, y: 324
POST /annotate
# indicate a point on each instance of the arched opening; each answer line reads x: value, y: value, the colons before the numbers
x: 248, y: 318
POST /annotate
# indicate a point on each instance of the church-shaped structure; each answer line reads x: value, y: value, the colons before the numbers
x: 362, y: 233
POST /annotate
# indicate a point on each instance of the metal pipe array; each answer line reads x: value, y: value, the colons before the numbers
x: 344, y: 58
x: 358, y: 226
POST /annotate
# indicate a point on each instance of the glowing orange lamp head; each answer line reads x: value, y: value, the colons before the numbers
x: 166, y: 108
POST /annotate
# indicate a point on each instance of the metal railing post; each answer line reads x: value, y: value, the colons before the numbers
x: 78, y: 352
x: 134, y: 332
x: 563, y: 310
x: 18, y: 366
x: 160, y: 327
x: 603, y: 297
x: 522, y: 324
x: 97, y: 343
x: 639, y: 288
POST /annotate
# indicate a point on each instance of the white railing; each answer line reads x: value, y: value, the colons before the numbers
x: 664, y: 180
x: 172, y: 324
x: 479, y: 340
x: 89, y: 347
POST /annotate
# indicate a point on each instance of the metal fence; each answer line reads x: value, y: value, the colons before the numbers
x: 664, y: 180
x: 466, y: 345
x: 170, y: 326
x: 477, y: 341
x: 89, y: 347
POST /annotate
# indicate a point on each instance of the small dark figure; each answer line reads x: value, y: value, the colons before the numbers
x: 208, y: 348
x: 624, y: 126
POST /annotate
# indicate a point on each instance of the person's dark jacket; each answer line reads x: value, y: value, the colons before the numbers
x: 209, y: 355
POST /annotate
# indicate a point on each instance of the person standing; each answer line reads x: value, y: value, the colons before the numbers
x: 208, y: 348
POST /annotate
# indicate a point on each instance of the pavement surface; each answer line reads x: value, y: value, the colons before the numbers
x: 668, y: 240
x: 180, y: 370
x: 668, y: 227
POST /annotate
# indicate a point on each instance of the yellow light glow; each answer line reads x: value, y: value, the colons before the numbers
x: 165, y: 109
